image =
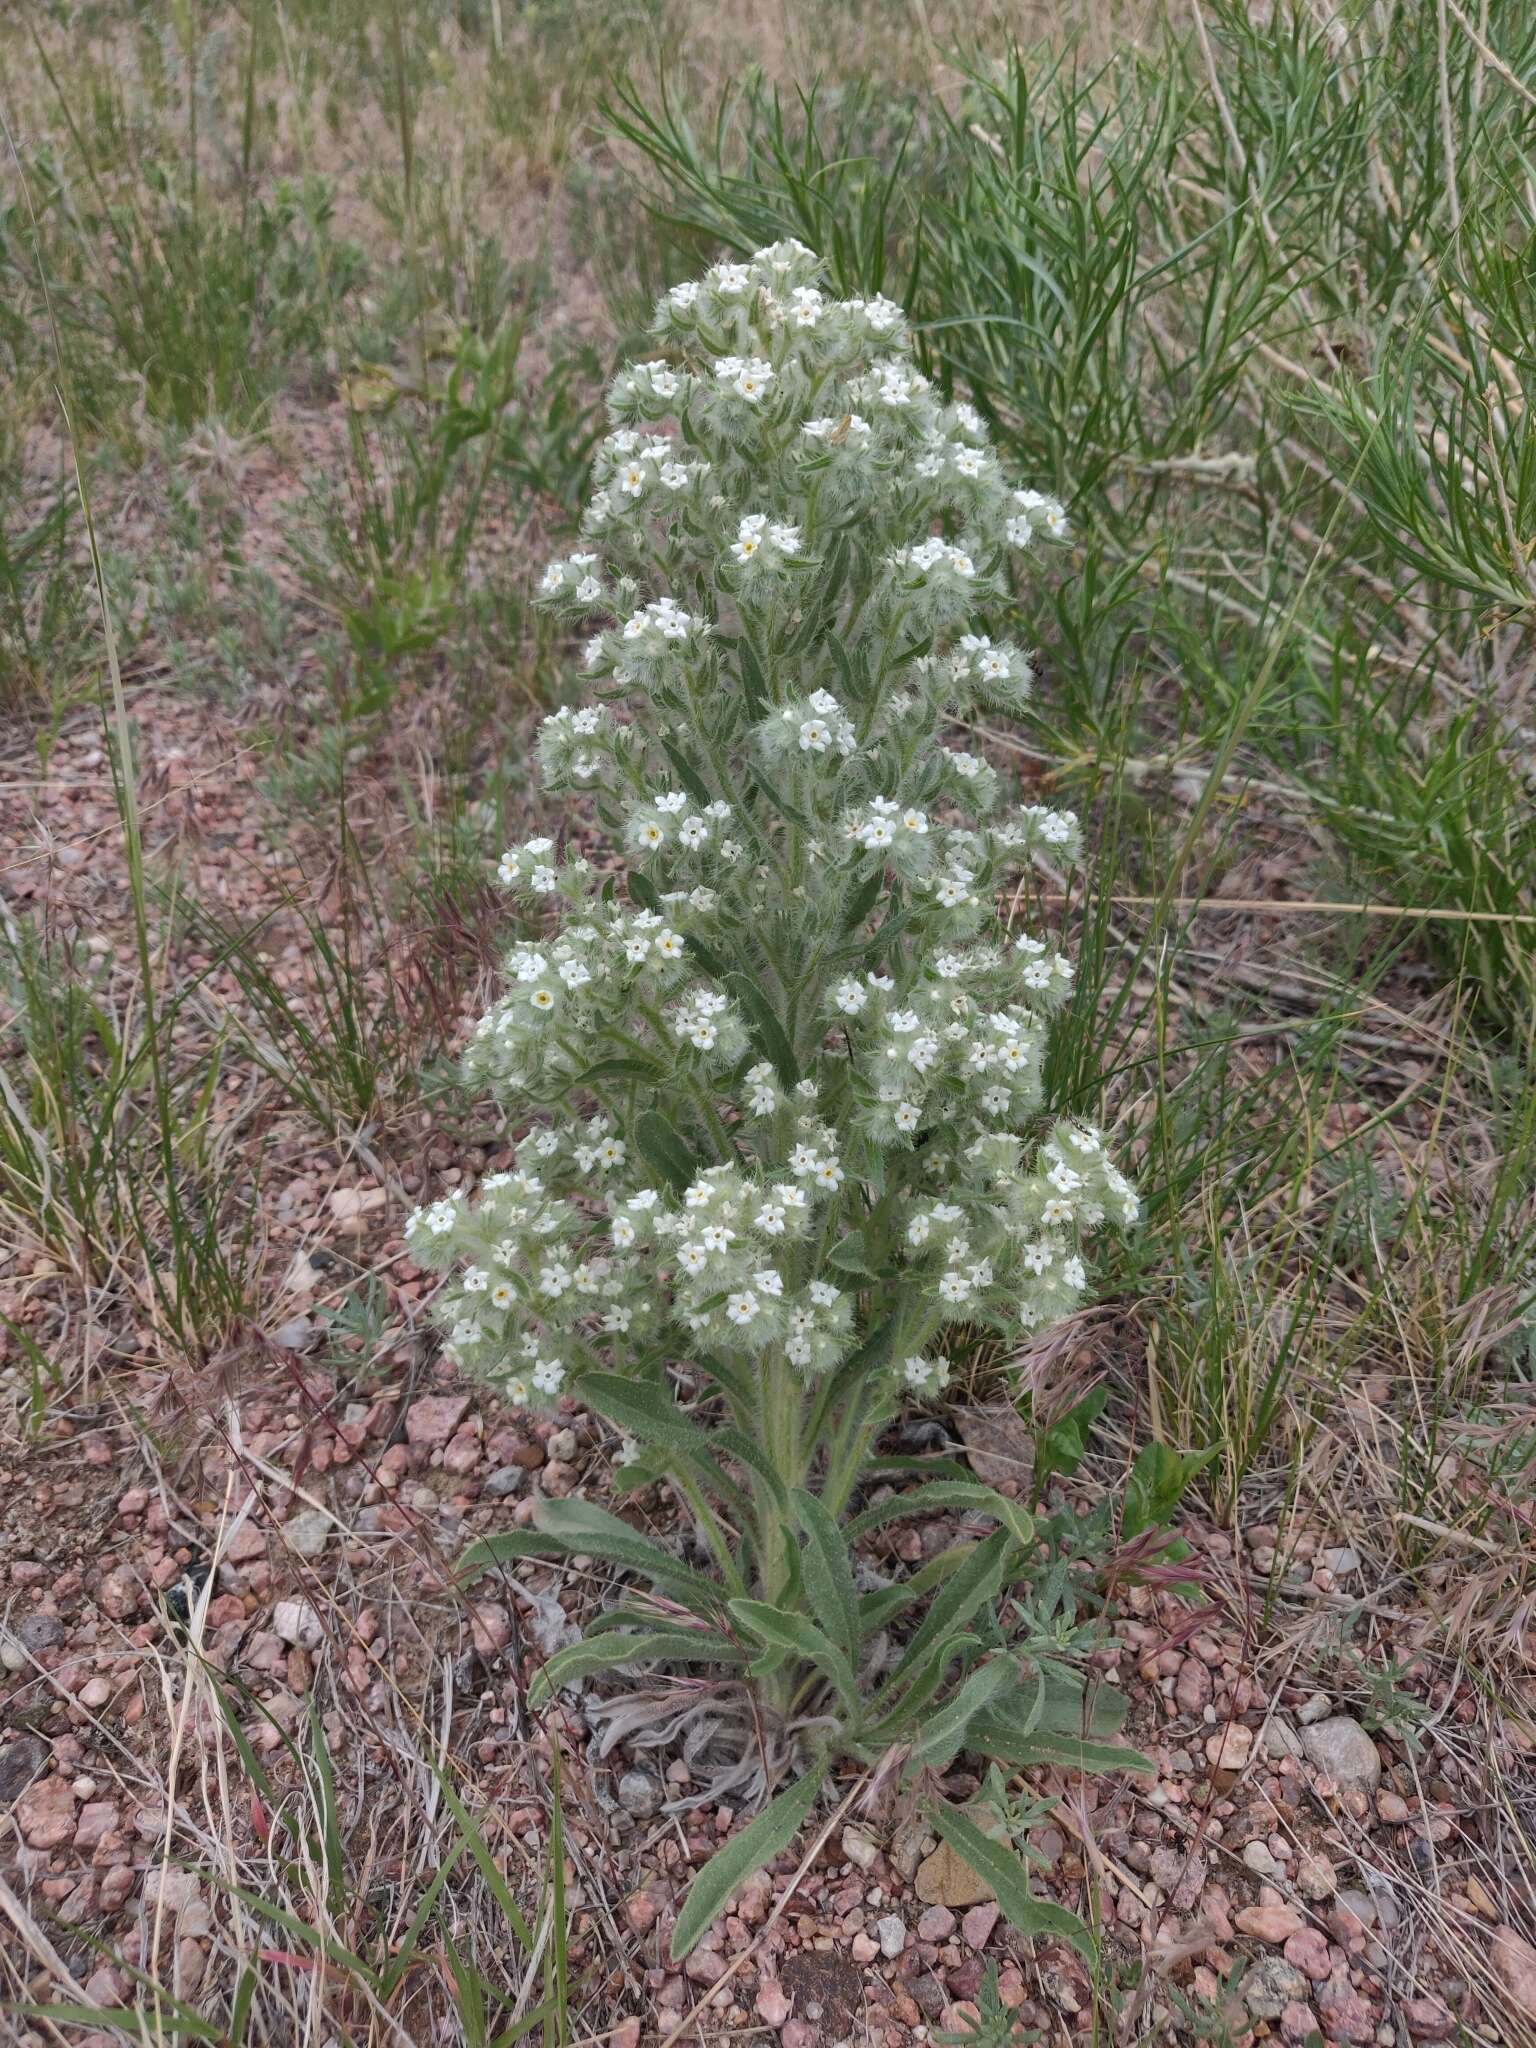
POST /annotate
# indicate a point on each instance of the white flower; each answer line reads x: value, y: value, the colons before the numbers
x: 741, y: 1308
x: 769, y: 1281
x: 749, y: 379
x: 907, y: 1116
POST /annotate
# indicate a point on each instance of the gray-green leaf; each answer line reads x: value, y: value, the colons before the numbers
x: 1000, y: 1868
x: 758, y: 1843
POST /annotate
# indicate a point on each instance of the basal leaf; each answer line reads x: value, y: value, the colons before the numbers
x: 828, y: 1573
x: 976, y: 1582
x: 757, y: 1844
x: 943, y: 1733
x: 939, y: 1495
x: 612, y: 1651
x: 800, y: 1636
x: 999, y: 1867
x: 580, y: 1526
x: 504, y: 1547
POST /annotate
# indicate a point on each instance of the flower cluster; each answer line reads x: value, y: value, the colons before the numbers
x: 780, y: 1088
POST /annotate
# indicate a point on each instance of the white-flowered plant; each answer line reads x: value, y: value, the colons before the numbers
x: 777, y: 1055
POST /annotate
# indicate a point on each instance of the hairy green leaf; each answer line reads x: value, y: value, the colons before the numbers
x: 763, y: 1027
x: 828, y: 1573
x: 944, y: 1732
x: 800, y: 1637
x: 758, y: 1843
x: 664, y: 1151
x: 612, y: 1651
x: 649, y: 1414
x: 1005, y: 1873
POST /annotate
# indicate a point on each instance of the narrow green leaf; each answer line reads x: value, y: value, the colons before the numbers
x: 737, y: 1444
x: 580, y: 1526
x: 621, y: 1068
x: 993, y: 1736
x: 764, y: 1028
x: 706, y: 956
x: 505, y: 1547
x: 177, y: 2025
x: 650, y: 1415
x: 940, y: 1494
x: 240, y: 2006
x: 486, y: 1863
x: 616, y: 1649
x: 753, y: 686
x: 828, y: 1572
x: 943, y: 1733
x: 403, y: 1952
x: 800, y: 1636
x: 1005, y: 1873
x: 862, y: 898
x: 758, y: 1843
x: 642, y: 890
x: 1060, y: 1449
x: 900, y: 1715
x: 664, y: 1151
x: 851, y: 1255
x: 687, y: 774
x: 975, y: 1583
x: 1156, y: 1486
